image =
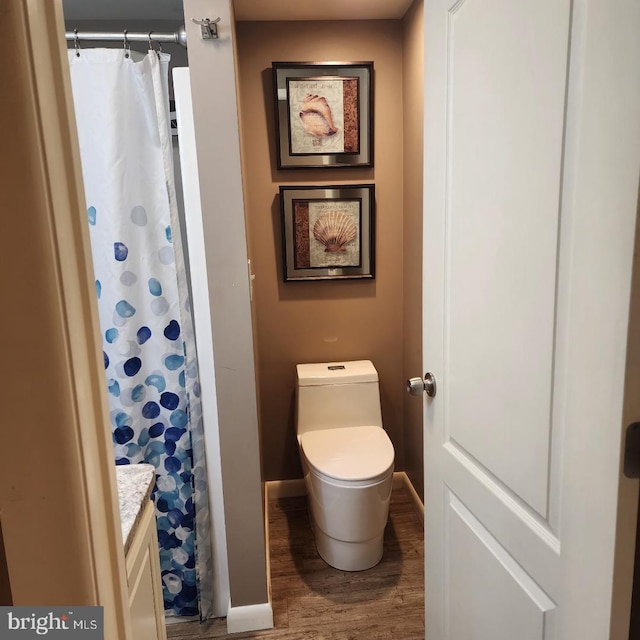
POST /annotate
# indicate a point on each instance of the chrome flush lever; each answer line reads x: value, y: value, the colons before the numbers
x: 416, y: 386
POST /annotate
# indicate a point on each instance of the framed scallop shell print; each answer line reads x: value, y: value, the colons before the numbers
x: 324, y: 114
x: 328, y: 232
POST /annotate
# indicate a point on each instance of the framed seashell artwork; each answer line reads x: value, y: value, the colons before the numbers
x: 328, y: 232
x: 324, y: 114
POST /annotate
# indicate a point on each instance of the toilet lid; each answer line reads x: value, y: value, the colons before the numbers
x: 349, y: 453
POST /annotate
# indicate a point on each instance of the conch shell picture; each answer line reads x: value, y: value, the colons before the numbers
x: 316, y: 118
x: 334, y: 231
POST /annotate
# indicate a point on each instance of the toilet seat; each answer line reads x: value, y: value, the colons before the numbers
x: 349, y: 454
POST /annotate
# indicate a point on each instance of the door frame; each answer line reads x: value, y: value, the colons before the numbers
x: 37, y: 56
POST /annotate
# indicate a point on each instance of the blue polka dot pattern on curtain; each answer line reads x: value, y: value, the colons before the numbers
x: 146, y: 374
x: 148, y: 344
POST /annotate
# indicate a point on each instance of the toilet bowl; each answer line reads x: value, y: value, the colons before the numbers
x: 347, y: 459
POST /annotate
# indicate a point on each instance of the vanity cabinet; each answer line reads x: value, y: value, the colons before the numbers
x: 143, y: 578
x: 139, y: 535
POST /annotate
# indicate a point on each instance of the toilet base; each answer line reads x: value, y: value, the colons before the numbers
x: 349, y: 556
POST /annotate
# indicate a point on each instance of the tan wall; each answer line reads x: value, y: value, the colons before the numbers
x: 322, y: 321
x: 413, y: 87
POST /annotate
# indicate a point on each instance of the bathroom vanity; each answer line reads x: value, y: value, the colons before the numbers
x: 135, y: 483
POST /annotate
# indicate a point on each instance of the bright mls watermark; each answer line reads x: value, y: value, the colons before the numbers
x: 25, y: 623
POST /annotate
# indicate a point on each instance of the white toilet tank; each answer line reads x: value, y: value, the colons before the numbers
x: 331, y: 395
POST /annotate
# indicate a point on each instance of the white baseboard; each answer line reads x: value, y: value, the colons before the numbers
x: 418, y: 506
x: 276, y: 489
x: 171, y: 619
x: 255, y: 617
x: 252, y: 617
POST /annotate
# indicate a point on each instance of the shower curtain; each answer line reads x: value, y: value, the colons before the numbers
x: 122, y: 110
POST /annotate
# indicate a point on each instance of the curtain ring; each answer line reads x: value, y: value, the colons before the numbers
x: 126, y: 45
x: 151, y: 46
x: 76, y: 42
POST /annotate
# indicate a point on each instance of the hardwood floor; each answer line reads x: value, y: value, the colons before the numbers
x: 312, y: 601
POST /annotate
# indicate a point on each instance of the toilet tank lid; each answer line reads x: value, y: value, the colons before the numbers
x: 336, y: 373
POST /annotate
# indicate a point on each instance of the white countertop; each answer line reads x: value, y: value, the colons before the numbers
x: 135, y: 483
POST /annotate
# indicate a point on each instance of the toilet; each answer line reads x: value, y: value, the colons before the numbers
x: 347, y: 459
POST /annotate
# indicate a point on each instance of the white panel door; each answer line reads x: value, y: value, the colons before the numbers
x: 531, y: 174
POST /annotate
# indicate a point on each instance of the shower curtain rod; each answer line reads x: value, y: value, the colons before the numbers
x: 178, y: 37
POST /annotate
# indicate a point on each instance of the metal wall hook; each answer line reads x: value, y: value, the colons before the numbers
x: 208, y: 28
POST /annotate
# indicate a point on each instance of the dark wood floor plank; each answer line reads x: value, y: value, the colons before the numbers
x: 312, y: 601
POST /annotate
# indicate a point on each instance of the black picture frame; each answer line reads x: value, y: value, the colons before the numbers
x: 328, y: 232
x: 324, y: 114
